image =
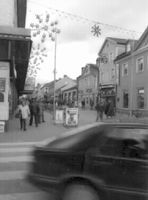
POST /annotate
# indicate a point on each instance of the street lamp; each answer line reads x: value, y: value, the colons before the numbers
x: 53, y: 36
x: 46, y: 30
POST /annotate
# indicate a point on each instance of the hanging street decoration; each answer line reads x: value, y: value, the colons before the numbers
x: 70, y: 16
x: 37, y: 57
x: 42, y: 29
x: 95, y: 29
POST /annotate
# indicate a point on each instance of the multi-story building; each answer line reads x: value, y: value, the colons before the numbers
x: 111, y: 48
x: 88, y: 85
x: 15, y: 46
x: 132, y: 90
x: 70, y: 93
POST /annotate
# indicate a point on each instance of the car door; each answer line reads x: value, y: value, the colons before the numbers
x: 125, y: 176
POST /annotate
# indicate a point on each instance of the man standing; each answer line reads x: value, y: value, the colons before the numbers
x: 100, y: 110
x: 34, y: 107
x: 25, y: 112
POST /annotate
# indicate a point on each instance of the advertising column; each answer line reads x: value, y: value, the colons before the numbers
x: 4, y: 90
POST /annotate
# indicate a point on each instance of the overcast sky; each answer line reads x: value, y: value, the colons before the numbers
x: 76, y: 45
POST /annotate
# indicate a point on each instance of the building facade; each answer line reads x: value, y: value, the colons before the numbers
x: 15, y: 46
x: 111, y: 48
x: 88, y: 85
x: 70, y: 94
x: 132, y: 90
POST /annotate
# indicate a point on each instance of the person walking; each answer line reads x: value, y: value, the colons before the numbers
x: 107, y: 105
x: 25, y: 112
x: 41, y: 111
x: 100, y: 110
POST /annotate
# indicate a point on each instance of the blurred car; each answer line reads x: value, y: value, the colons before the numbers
x: 96, y: 162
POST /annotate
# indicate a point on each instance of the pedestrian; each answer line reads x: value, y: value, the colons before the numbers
x: 34, y: 107
x: 107, y: 105
x: 110, y: 112
x: 18, y: 113
x: 100, y: 110
x: 25, y: 113
x: 91, y: 104
x: 41, y: 111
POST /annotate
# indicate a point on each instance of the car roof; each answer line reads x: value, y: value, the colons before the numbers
x: 84, y: 135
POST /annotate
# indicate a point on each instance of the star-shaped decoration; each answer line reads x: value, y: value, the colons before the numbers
x: 95, y: 29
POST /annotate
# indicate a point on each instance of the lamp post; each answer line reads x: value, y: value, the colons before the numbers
x: 47, y: 30
x: 55, y: 31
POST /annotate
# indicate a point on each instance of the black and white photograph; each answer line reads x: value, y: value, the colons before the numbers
x: 73, y: 100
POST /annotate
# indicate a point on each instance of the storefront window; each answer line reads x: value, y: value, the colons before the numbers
x: 1, y: 97
x: 125, y: 99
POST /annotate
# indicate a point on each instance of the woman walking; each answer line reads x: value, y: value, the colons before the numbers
x: 25, y: 112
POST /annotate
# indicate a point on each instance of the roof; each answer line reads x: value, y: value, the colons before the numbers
x: 117, y: 40
x: 14, y: 33
x: 123, y: 55
x: 69, y: 86
x: 141, y: 38
x: 63, y: 82
x: 48, y: 84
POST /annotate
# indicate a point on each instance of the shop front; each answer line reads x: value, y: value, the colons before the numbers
x: 108, y: 93
x: 15, y: 46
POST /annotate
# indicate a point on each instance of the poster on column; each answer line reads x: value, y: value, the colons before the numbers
x: 4, y: 90
x: 71, y: 117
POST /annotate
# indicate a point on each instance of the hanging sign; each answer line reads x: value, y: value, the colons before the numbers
x: 71, y: 117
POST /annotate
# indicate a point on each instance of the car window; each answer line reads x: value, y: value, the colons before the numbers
x: 121, y: 142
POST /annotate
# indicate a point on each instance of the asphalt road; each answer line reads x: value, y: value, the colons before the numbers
x: 14, y: 165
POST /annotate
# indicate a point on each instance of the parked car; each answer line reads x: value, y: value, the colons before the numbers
x: 97, y: 162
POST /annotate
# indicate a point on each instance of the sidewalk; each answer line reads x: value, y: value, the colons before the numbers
x: 44, y: 130
x: 49, y: 129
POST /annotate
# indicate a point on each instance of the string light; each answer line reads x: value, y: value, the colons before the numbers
x: 93, y: 23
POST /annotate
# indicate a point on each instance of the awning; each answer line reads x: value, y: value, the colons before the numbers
x: 14, y: 33
x: 16, y: 45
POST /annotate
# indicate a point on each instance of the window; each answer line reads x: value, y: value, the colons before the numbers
x: 128, y: 48
x: 140, y: 98
x: 111, y: 57
x: 125, y: 69
x: 125, y: 99
x: 140, y: 65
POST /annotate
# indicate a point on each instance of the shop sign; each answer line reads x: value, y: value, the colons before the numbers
x: 2, y: 126
x: 71, y: 117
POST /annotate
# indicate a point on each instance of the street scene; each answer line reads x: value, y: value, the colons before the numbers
x: 73, y: 100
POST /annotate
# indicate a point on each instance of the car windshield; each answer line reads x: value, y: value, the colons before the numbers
x: 76, y: 139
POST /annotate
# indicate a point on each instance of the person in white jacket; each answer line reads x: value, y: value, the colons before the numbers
x: 25, y: 113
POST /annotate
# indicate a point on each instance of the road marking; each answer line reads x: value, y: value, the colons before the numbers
x: 27, y: 158
x: 24, y: 196
x: 15, y: 150
x: 12, y: 175
x: 19, y: 144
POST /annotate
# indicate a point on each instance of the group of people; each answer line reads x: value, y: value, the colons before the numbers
x: 106, y: 108
x: 30, y: 110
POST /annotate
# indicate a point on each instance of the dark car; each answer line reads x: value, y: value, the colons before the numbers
x: 98, y: 161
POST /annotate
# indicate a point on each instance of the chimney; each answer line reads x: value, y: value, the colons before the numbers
x: 82, y: 69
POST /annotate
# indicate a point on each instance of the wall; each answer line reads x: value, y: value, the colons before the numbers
x: 133, y: 81
x: 8, y: 13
